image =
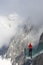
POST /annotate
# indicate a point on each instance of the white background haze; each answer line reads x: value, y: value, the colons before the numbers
x: 8, y: 28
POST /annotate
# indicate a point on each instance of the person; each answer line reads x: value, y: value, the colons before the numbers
x: 30, y: 50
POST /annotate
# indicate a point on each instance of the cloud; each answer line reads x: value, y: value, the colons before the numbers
x: 8, y: 28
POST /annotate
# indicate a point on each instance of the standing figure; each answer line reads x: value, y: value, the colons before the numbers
x: 30, y: 50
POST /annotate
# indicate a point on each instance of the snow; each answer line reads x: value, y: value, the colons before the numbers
x: 4, y: 61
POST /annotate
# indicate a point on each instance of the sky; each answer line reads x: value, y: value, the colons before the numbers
x: 25, y: 8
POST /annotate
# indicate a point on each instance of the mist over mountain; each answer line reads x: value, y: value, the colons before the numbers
x: 14, y: 24
x: 16, y: 33
x: 26, y: 33
x: 8, y: 28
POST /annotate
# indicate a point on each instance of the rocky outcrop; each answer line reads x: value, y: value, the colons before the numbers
x: 41, y: 37
x: 38, y: 60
